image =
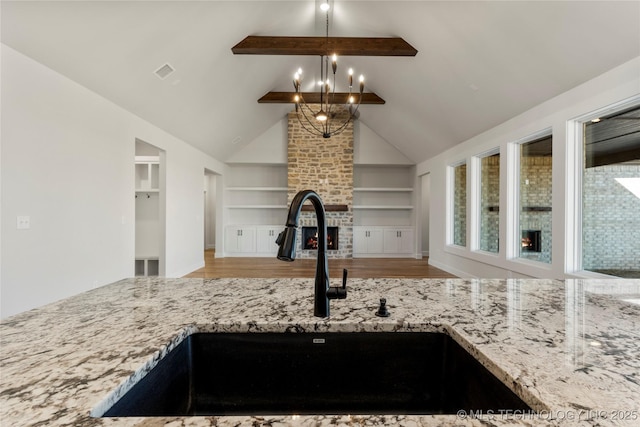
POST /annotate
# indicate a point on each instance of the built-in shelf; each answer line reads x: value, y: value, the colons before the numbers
x: 147, y: 215
x: 327, y: 208
x: 388, y: 207
x: 147, y: 266
x: 255, y: 195
x: 153, y: 190
x: 383, y: 196
x: 257, y: 207
x: 382, y: 189
x: 257, y: 189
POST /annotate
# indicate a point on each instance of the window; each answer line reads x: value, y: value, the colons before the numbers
x: 489, y: 240
x: 534, y: 204
x: 611, y: 194
x: 460, y: 205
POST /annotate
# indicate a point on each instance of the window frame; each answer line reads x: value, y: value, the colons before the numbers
x: 450, y: 204
x: 475, y: 196
x: 514, y: 151
x: 575, y: 163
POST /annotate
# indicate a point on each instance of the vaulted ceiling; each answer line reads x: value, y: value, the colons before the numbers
x: 479, y: 63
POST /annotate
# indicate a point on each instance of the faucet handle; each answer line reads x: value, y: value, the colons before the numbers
x: 335, y: 292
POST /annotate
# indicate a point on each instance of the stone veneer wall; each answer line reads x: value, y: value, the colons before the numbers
x: 325, y: 166
x: 460, y: 206
x: 489, y: 204
x: 610, y: 219
x: 536, y: 193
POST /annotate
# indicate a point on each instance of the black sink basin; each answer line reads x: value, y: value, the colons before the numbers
x: 316, y: 373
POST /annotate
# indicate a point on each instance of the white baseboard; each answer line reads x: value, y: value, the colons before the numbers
x: 451, y: 270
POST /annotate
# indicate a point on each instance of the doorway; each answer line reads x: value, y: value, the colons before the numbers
x: 149, y: 210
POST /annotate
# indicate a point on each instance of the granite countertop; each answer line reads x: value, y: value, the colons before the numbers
x: 570, y: 349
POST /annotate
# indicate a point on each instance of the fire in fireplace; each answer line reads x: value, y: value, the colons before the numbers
x: 310, y: 238
x: 531, y: 241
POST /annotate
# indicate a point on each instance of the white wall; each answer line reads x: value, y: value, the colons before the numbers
x: 615, y: 86
x: 369, y: 148
x: 68, y: 163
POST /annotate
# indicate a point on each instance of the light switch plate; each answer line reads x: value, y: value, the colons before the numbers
x: 24, y: 222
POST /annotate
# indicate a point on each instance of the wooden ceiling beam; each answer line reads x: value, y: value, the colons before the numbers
x: 314, y: 98
x: 342, y: 46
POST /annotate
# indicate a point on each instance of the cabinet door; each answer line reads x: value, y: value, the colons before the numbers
x: 231, y: 235
x: 375, y: 241
x: 266, y: 239
x: 247, y: 240
x: 240, y: 239
x: 359, y: 240
x: 406, y: 241
x: 367, y: 240
x: 398, y: 241
x: 391, y: 241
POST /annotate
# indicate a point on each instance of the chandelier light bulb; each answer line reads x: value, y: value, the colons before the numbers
x: 325, y: 6
x: 351, y: 100
x: 321, y: 116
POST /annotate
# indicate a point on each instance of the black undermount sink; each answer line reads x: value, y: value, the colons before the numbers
x: 316, y: 373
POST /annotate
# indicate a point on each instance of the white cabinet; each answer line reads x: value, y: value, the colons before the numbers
x: 266, y: 239
x: 240, y: 239
x: 367, y: 240
x: 251, y: 240
x: 383, y: 241
x: 398, y: 241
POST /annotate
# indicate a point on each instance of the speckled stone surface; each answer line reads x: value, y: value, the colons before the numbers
x: 570, y: 349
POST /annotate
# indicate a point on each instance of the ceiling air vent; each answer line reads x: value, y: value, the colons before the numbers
x: 164, y: 71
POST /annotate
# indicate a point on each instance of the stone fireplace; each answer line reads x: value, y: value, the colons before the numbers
x: 324, y: 165
x: 310, y: 238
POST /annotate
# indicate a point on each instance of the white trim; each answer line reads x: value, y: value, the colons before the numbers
x: 514, y: 151
x: 512, y: 220
x: 475, y: 197
x: 573, y: 199
x: 451, y: 270
x: 449, y: 205
x: 574, y: 168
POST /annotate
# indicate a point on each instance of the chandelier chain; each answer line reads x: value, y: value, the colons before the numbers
x: 321, y: 121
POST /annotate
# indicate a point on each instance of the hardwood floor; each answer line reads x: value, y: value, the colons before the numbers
x: 358, y: 268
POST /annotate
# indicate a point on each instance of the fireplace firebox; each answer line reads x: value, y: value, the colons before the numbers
x: 531, y: 241
x: 310, y: 238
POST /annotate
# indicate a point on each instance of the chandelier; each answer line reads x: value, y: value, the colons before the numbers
x: 321, y: 122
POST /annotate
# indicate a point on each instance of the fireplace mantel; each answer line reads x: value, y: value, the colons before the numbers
x: 327, y: 208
